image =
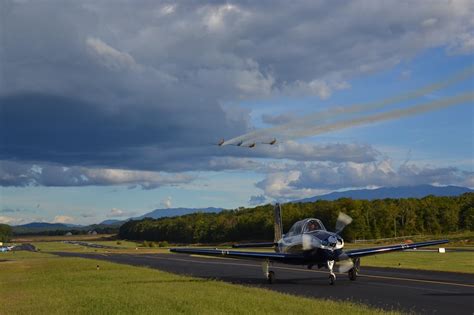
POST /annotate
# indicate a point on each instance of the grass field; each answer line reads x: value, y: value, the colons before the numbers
x: 39, y: 283
x: 123, y: 247
x: 450, y: 261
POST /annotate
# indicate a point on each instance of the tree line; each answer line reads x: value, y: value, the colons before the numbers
x: 5, y: 232
x: 371, y: 219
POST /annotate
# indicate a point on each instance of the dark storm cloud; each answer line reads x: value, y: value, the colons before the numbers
x: 149, y: 85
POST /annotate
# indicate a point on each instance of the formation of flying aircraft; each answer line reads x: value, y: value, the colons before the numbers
x: 308, y: 243
x: 248, y: 145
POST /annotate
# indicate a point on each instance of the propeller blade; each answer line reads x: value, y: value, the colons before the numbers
x: 344, y: 266
x: 342, y: 221
x: 310, y: 242
x: 344, y: 263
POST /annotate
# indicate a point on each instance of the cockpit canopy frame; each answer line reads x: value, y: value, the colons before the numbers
x: 306, y: 226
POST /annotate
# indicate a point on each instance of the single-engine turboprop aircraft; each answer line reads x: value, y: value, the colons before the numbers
x: 308, y: 243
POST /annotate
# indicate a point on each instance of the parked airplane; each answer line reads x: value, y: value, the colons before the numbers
x: 307, y: 243
x: 5, y: 248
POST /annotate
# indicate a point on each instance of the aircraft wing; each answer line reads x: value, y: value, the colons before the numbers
x: 391, y: 248
x: 263, y: 244
x: 279, y: 257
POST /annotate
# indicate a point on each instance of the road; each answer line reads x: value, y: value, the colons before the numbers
x: 392, y: 289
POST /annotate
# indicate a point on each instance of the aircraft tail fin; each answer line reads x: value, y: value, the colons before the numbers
x: 278, y: 223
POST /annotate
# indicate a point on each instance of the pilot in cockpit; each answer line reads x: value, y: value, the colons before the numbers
x: 312, y: 226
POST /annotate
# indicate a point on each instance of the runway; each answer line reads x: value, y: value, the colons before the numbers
x: 391, y: 289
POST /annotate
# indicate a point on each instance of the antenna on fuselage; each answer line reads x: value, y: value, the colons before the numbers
x: 278, y: 223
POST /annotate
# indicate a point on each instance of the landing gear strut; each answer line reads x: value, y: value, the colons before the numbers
x: 355, y: 270
x: 332, y: 276
x: 269, y: 274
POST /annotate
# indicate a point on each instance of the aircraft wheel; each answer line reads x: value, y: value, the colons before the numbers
x: 352, y: 274
x: 332, y: 279
x: 271, y: 277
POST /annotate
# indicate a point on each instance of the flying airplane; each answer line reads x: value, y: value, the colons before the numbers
x: 274, y: 140
x: 308, y: 243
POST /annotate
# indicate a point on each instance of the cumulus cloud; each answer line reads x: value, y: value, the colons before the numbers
x: 109, y: 95
x: 309, y: 179
x: 166, y: 202
x: 17, y: 174
x: 8, y: 220
x: 119, y: 213
x: 63, y: 219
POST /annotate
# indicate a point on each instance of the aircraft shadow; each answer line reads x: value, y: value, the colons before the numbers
x: 286, y: 281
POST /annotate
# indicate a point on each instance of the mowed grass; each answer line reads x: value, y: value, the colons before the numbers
x: 450, y: 261
x: 123, y: 247
x: 38, y: 283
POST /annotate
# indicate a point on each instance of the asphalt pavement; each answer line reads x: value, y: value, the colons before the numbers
x: 426, y: 292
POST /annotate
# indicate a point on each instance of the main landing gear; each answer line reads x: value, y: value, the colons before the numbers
x: 354, y: 270
x: 269, y: 274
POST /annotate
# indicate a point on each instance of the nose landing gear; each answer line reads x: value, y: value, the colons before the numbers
x: 332, y: 276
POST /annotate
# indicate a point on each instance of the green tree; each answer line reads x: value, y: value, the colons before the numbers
x: 5, y: 232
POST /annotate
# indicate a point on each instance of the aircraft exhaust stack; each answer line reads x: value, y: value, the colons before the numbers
x: 278, y: 223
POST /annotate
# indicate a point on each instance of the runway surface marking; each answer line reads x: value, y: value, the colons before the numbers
x: 316, y: 271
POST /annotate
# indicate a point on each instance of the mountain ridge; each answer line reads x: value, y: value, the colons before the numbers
x: 418, y: 191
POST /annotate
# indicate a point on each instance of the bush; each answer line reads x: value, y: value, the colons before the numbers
x: 163, y: 244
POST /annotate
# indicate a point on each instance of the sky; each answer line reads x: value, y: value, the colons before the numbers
x: 110, y: 110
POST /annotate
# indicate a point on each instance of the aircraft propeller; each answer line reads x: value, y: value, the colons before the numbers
x: 343, y: 220
x: 343, y: 262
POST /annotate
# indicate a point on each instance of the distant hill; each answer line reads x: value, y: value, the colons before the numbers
x: 39, y: 227
x: 111, y: 222
x: 44, y: 228
x: 173, y: 212
x: 393, y: 192
x: 43, y: 225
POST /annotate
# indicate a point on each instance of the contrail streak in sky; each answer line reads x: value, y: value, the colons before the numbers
x: 413, y: 110
x: 314, y: 121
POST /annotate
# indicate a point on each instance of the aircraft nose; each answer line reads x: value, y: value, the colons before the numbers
x: 311, y: 242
